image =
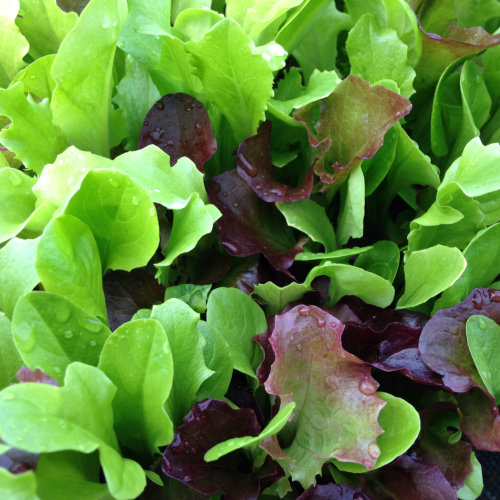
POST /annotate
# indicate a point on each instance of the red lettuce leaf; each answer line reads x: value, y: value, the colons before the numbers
x: 254, y: 164
x: 450, y: 43
x: 395, y: 348
x: 443, y: 342
x: 439, y: 422
x: 179, y: 125
x: 249, y: 225
x: 262, y: 339
x: 25, y: 374
x: 208, y: 423
x: 349, y: 125
x: 18, y: 461
x: 408, y: 478
x: 127, y: 292
x: 333, y: 492
x: 480, y: 419
x: 337, y: 406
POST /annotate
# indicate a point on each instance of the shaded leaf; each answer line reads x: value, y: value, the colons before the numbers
x: 333, y: 492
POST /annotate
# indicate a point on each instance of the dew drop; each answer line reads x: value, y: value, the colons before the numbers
x: 146, y: 123
x: 494, y: 295
x: 135, y: 201
x: 292, y: 339
x: 304, y: 311
x: 258, y: 187
x: 93, y: 343
x: 63, y: 312
x: 367, y: 388
x: 482, y: 323
x: 152, y: 211
x: 231, y: 248
x: 56, y: 369
x: 91, y: 325
x: 159, y: 105
x: 247, y: 167
x: 477, y: 300
x: 26, y: 344
x: 187, y: 478
x: 32, y: 77
x: 236, y: 204
x: 15, y: 179
x: 280, y: 192
x: 320, y: 322
x: 113, y: 182
x: 198, y: 128
x: 68, y: 334
x: 156, y: 190
x: 225, y: 195
x: 8, y: 396
x: 373, y: 450
x: 106, y: 23
x: 157, y: 134
x: 332, y: 381
x: 298, y: 347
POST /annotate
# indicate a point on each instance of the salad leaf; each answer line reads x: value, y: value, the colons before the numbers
x: 75, y: 417
x: 80, y: 103
x: 33, y: 136
x: 18, y: 486
x: 44, y: 25
x: 179, y: 125
x: 342, y: 112
x: 13, y: 45
x: 207, y: 424
x: 36, y: 77
x: 11, y: 361
x: 307, y: 345
x: 19, y: 275
x: 122, y: 218
x: 333, y: 492
x: 68, y: 263
x: 50, y: 332
x: 140, y: 347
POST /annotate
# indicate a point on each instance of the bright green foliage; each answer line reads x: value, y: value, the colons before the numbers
x: 45, y: 25
x: 473, y: 486
x: 17, y: 201
x: 429, y: 272
x: 36, y: 77
x: 19, y: 275
x: 277, y: 297
x: 18, y: 486
x: 68, y: 263
x: 137, y: 359
x: 78, y: 416
x: 483, y: 339
x: 396, y: 438
x: 50, y: 332
x: 350, y: 224
x: 272, y: 428
x: 33, y: 136
x: 376, y: 53
x: 382, y: 259
x: 82, y: 71
x: 120, y: 215
x: 190, y: 224
x: 195, y: 296
x: 186, y: 344
x: 10, y: 361
x: 235, y: 80
x: 238, y: 318
x: 311, y: 219
x: 13, y: 45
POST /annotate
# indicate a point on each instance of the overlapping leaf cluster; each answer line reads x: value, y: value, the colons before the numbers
x: 248, y: 249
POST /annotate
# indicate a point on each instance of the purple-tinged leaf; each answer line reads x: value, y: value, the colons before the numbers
x: 408, y: 478
x: 127, y: 292
x: 333, y: 492
x: 25, y: 374
x: 254, y: 165
x: 443, y: 342
x: 349, y: 125
x: 179, y: 125
x: 395, y: 348
x: 263, y: 340
x: 436, y: 445
x: 208, y: 423
x: 240, y: 393
x: 480, y: 419
x: 249, y: 225
x: 18, y: 461
x: 450, y: 43
x: 246, y: 274
x: 337, y: 406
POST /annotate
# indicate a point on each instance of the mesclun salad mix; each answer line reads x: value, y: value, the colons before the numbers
x: 249, y: 249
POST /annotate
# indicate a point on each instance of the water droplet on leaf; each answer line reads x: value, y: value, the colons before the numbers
x: 231, y: 248
x: 15, y: 179
x: 373, y: 450
x: 304, y: 311
x: 481, y: 323
x: 68, y: 334
x: 367, y: 388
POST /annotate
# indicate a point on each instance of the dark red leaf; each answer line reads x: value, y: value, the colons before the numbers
x: 249, y: 225
x: 254, y: 165
x: 263, y: 340
x: 208, y: 423
x: 408, y: 479
x: 439, y: 422
x: 18, y: 461
x: 333, y: 492
x: 480, y: 419
x: 179, y: 125
x: 127, y: 292
x: 443, y: 342
x: 349, y: 125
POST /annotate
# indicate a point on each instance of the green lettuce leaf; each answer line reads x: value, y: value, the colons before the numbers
x: 18, y: 486
x: 9, y: 357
